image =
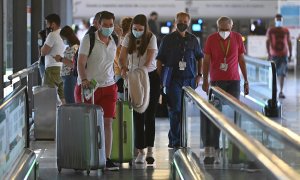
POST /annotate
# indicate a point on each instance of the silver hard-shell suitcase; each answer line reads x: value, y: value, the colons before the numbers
x: 44, y: 113
x: 80, y: 137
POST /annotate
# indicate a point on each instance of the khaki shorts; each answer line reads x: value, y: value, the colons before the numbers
x: 52, y: 79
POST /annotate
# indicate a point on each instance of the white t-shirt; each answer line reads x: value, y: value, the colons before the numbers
x: 135, y: 61
x: 100, y: 62
x: 57, y: 45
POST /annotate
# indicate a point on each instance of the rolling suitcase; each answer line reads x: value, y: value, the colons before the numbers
x: 44, y: 113
x: 80, y: 137
x: 122, y: 145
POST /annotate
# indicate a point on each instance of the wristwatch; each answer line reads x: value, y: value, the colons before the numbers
x: 199, y: 74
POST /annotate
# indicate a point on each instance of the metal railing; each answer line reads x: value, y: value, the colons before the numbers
x: 274, y: 165
x: 278, y: 131
x: 21, y: 74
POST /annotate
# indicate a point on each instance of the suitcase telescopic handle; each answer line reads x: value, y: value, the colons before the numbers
x: 99, y: 138
x: 126, y: 92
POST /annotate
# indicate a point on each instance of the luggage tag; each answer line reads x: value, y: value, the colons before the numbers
x: 224, y: 66
x: 182, y: 65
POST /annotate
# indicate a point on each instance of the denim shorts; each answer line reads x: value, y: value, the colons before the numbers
x: 281, y: 65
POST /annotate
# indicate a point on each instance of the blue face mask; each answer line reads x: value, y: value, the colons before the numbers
x: 137, y: 34
x: 278, y: 23
x: 107, y: 31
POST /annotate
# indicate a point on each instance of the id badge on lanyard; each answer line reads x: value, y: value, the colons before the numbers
x: 224, y: 65
x: 182, y: 63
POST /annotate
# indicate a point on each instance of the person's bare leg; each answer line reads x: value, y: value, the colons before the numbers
x: 281, y: 82
x: 281, y: 79
x: 108, y: 135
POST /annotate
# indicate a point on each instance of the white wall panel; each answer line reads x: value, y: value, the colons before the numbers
x: 168, y: 8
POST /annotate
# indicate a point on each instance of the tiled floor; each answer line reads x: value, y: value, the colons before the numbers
x: 291, y: 104
x: 46, y: 151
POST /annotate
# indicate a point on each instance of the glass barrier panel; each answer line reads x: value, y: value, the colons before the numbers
x: 13, y: 131
x: 260, y: 79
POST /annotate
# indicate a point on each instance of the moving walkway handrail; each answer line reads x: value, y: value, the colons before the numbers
x: 257, y: 61
x: 274, y: 165
x: 278, y: 131
x: 185, y: 164
x: 274, y: 85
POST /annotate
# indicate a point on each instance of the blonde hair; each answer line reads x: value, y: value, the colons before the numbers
x: 224, y: 19
x: 182, y: 14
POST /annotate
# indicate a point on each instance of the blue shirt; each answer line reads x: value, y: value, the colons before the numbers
x: 174, y: 48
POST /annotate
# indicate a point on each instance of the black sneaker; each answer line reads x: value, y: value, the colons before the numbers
x: 208, y: 160
x: 149, y: 158
x: 252, y: 167
x: 176, y: 146
x: 111, y: 166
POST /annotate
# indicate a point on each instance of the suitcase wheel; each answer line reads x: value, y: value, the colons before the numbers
x: 88, y: 172
x: 59, y: 169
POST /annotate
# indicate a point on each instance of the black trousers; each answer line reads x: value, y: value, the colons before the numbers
x: 144, y: 123
x: 210, y: 134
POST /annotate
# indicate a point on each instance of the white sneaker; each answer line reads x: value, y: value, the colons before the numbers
x: 140, y: 159
x: 217, y: 156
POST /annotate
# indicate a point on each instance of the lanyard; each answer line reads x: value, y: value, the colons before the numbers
x: 223, y: 49
x: 183, y: 54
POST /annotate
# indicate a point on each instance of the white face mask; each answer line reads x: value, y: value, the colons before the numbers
x: 66, y: 42
x: 278, y: 23
x: 40, y: 42
x: 224, y: 34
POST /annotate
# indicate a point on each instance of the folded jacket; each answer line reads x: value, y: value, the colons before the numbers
x: 139, y: 89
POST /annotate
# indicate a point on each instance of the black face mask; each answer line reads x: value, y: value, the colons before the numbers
x: 48, y: 30
x: 182, y: 27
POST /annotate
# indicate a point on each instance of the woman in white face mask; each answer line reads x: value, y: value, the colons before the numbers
x: 69, y: 80
x: 41, y: 40
x: 139, y: 49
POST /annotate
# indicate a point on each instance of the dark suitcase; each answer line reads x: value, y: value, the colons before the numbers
x: 80, y: 137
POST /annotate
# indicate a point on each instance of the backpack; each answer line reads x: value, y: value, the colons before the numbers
x: 91, y: 33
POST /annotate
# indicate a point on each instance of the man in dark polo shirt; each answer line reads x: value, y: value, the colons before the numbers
x: 179, y: 57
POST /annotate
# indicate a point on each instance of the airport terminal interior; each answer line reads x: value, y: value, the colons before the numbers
x: 260, y: 131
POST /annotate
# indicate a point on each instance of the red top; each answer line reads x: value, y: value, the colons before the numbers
x: 278, y: 37
x: 214, y: 49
